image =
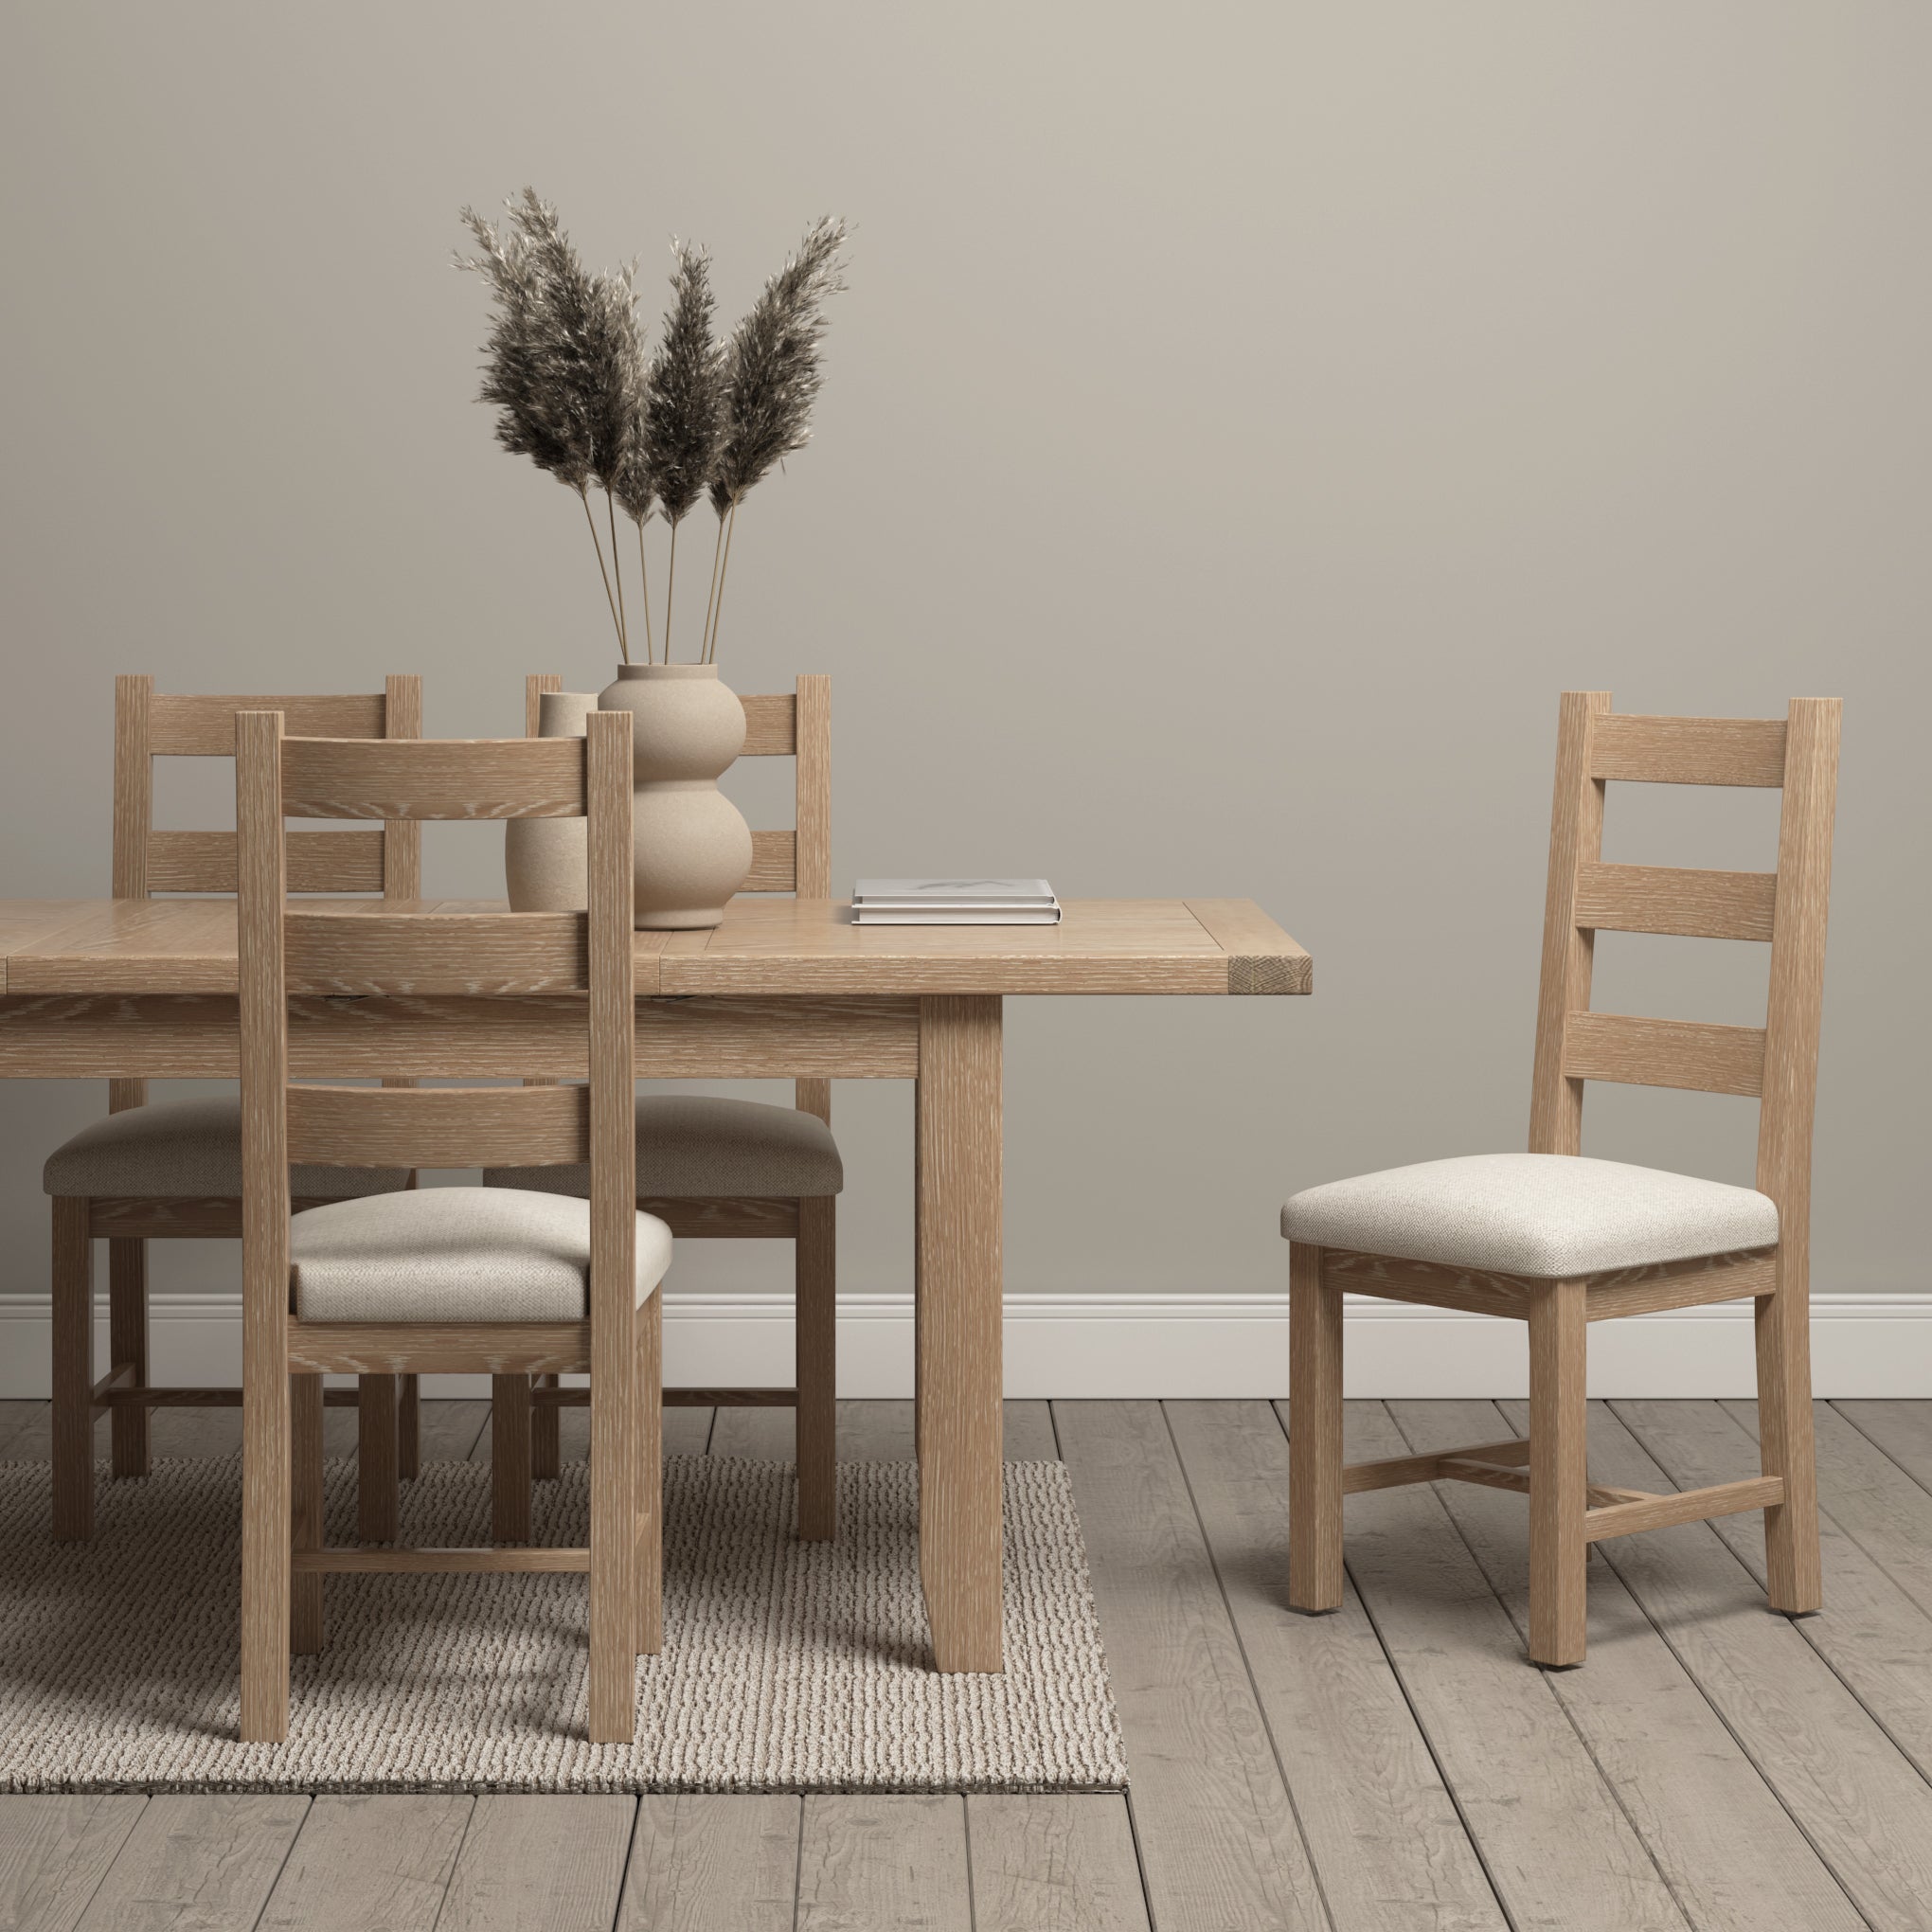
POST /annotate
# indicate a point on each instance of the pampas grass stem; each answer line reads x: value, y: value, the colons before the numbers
x: 617, y: 622
x: 617, y: 571
x: 711, y: 595
x: 718, y: 609
x: 644, y: 583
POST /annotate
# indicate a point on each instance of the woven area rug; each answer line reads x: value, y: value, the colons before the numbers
x: 787, y: 1666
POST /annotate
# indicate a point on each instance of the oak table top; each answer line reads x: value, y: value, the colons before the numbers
x: 764, y: 946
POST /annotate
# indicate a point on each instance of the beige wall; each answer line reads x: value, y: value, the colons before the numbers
x: 1244, y: 420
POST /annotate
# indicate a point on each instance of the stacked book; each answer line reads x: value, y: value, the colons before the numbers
x: 955, y: 902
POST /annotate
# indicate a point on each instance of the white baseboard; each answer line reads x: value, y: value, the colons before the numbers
x: 1142, y: 1346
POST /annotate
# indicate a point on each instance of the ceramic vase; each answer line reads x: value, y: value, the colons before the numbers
x: 544, y: 858
x: 692, y: 846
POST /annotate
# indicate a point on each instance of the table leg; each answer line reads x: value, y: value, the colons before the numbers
x: 957, y: 1290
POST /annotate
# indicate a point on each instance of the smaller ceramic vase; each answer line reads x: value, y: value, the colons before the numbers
x: 692, y: 843
x: 544, y: 858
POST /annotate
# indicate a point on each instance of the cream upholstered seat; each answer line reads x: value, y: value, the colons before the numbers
x: 692, y: 1147
x: 454, y: 1255
x: 184, y: 1149
x: 1547, y: 1215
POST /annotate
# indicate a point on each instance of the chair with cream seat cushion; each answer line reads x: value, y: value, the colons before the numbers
x: 724, y: 1169
x: 1558, y: 1241
x: 1545, y: 1214
x: 454, y: 1255
x: 187, y: 1150
x: 172, y: 1170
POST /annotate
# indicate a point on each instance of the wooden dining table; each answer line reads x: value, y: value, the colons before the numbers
x: 784, y: 989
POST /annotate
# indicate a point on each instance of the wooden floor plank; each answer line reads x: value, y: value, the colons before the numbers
x: 539, y: 1865
x: 203, y: 1863
x: 712, y: 1862
x: 873, y: 1431
x: 21, y: 1421
x: 1860, y: 1802
x: 1718, y: 1834
x: 365, y: 1863
x: 54, y: 1852
x: 1902, y: 1429
x: 686, y: 1432
x: 1558, y: 1847
x: 879, y: 1864
x: 1388, y: 1848
x: 1219, y: 1845
x: 1875, y: 1632
x: 1054, y: 1862
x: 766, y: 1435
x: 1028, y: 1432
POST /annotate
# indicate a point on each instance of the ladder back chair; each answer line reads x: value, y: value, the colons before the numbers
x: 730, y: 1168
x: 172, y: 1169
x: 1558, y: 1241
x: 440, y: 1279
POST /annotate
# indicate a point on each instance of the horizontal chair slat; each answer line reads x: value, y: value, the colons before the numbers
x: 1677, y: 901
x: 1689, y: 1054
x: 774, y: 863
x: 1691, y: 1506
x: 680, y: 1398
x: 317, y: 861
x: 475, y: 952
x: 1688, y: 751
x: 440, y: 777
x: 379, y: 1559
x: 187, y: 726
x: 455, y: 1348
x: 438, y: 1127
x: 771, y: 725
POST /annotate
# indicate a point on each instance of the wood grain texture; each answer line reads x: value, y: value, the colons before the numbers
x: 438, y: 1127
x: 1435, y: 1284
x: 358, y: 1559
x: 458, y: 953
x: 771, y: 725
x: 73, y: 1372
x: 133, y: 785
x: 401, y: 837
x: 1861, y: 1803
x: 774, y: 863
x: 1399, y: 1472
x: 202, y: 725
x: 1219, y: 1844
x: 1690, y: 1054
x: 813, y: 787
x: 1689, y: 751
x: 1557, y: 1846
x: 529, y: 1861
x: 1261, y: 958
x: 369, y: 1862
x: 1576, y: 839
x: 1793, y: 1015
x: 883, y: 1861
x: 1681, y: 1284
x: 306, y: 1435
x: 318, y: 862
x: 706, y: 1862
x: 510, y: 1466
x: 398, y: 1348
x: 1315, y: 1482
x: 433, y: 778
x: 378, y: 1460
x: 1558, y: 1474
x: 814, y: 1279
x: 1675, y: 900
x: 1715, y: 1830
x: 1054, y: 1862
x: 1692, y: 1506
x: 1380, y: 1822
x: 958, y: 1328
x: 206, y: 1863
x: 54, y: 1852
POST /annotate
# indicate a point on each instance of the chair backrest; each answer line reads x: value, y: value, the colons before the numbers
x: 150, y: 725
x: 795, y: 724
x: 1777, y: 1063
x: 284, y: 952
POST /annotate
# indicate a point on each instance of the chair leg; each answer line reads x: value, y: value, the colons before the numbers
x: 547, y: 1435
x: 510, y: 1459
x: 1315, y: 1434
x: 1559, y: 1479
x: 73, y: 1364
x: 815, y: 1269
x: 305, y: 1463
x: 615, y: 1493
x: 267, y: 1529
x: 409, y: 1429
x: 377, y: 1502
x: 651, y: 1476
x: 1794, y: 1573
x: 127, y: 1306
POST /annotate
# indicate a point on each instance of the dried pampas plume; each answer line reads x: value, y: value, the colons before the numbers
x: 678, y: 441
x: 772, y: 378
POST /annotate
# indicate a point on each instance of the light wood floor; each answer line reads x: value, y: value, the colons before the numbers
x: 1397, y: 1765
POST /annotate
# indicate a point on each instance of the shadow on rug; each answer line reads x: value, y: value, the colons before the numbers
x: 786, y: 1666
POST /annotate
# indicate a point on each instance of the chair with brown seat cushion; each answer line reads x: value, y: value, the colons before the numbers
x: 172, y: 1170
x: 725, y: 1168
